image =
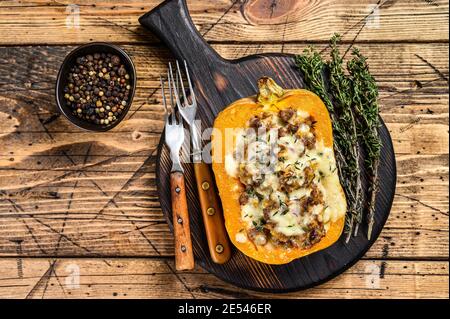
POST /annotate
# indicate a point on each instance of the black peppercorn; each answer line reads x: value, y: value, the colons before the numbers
x: 115, y: 60
x: 98, y: 88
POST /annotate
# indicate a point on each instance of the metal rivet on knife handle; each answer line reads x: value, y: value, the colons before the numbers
x: 178, y: 190
x: 205, y: 186
x: 180, y: 220
x: 211, y: 211
x: 183, y: 248
x: 219, y: 248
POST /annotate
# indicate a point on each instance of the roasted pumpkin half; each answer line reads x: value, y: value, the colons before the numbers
x: 276, y: 173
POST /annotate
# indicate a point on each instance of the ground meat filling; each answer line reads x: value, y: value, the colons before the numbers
x: 283, y: 201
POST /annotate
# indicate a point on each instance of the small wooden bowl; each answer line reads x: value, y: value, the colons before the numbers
x: 70, y: 61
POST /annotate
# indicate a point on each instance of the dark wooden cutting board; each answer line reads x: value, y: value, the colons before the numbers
x: 217, y: 83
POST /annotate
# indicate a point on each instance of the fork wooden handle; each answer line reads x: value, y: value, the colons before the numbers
x: 218, y: 243
x: 184, y: 256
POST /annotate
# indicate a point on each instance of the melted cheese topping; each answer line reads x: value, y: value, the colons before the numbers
x: 291, y: 180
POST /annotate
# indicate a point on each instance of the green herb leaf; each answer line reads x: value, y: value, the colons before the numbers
x: 352, y: 103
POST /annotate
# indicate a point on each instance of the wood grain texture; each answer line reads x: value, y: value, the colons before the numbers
x: 155, y: 278
x: 45, y: 22
x: 114, y: 209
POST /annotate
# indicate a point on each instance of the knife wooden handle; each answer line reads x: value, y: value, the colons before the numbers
x: 184, y: 256
x: 218, y: 243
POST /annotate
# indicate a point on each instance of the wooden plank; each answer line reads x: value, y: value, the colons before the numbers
x: 155, y: 278
x: 52, y: 22
x: 69, y: 192
x: 410, y: 76
x: 417, y: 227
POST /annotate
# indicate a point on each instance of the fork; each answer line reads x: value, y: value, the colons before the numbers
x: 174, y: 136
x: 218, y: 243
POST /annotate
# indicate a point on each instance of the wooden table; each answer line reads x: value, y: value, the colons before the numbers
x: 79, y: 213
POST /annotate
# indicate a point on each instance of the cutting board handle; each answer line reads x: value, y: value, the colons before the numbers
x: 170, y: 21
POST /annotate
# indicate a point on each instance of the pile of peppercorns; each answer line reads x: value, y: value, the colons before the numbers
x: 98, y: 88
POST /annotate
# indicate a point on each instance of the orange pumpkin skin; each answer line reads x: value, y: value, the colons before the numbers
x: 236, y: 115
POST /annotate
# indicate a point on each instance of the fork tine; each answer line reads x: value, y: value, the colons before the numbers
x: 170, y: 78
x: 191, y: 90
x: 178, y: 117
x: 166, y: 110
x: 171, y: 91
x: 163, y: 94
x: 174, y: 117
x: 174, y: 90
x: 177, y: 84
x: 181, y: 82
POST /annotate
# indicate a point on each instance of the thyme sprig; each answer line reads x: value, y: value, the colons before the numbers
x: 340, y: 88
x: 352, y: 103
x: 314, y: 68
x: 364, y: 97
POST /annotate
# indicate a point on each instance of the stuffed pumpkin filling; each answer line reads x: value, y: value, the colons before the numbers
x: 275, y: 170
x: 283, y: 168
